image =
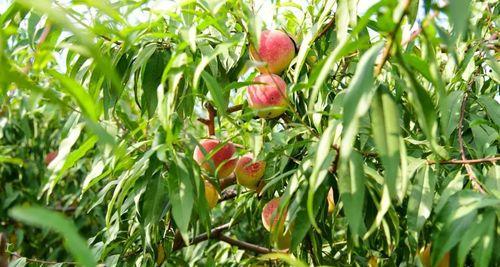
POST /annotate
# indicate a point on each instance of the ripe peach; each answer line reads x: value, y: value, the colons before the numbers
x: 274, y: 222
x: 211, y: 194
x: 248, y: 173
x: 276, y: 49
x: 269, y: 97
x: 50, y: 157
x: 271, y: 217
x: 425, y: 258
x: 331, y: 202
x: 220, y: 161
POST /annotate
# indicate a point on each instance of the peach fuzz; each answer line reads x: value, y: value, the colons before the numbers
x: 276, y: 49
x: 220, y: 163
x: 267, y: 96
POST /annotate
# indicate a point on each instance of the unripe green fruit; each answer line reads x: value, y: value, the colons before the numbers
x: 276, y: 49
x: 249, y: 173
x: 220, y: 163
x: 268, y: 96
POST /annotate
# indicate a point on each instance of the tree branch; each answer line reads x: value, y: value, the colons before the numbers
x: 467, y: 161
x: 42, y: 261
x: 215, y: 231
x: 390, y: 41
x: 244, y: 245
x: 472, y: 177
x: 330, y: 24
x: 3, y: 247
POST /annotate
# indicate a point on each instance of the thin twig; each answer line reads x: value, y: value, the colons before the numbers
x: 228, y: 194
x: 42, y: 39
x: 42, y: 261
x: 211, y: 118
x: 472, y: 177
x: 244, y: 245
x: 325, y: 29
x: 416, y: 32
x: 215, y: 231
x: 3, y: 247
x: 226, y: 182
x: 390, y: 41
x: 468, y: 161
x: 234, y: 108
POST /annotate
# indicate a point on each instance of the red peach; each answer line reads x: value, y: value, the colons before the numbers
x: 50, y: 157
x: 249, y: 172
x: 276, y: 49
x: 268, y: 96
x: 271, y: 217
x: 220, y: 161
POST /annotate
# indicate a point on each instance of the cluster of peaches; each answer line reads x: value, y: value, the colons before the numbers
x: 268, y: 98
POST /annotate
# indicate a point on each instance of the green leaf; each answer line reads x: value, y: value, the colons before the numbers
x: 180, y: 192
x: 421, y: 199
x: 483, y: 251
x: 155, y: 199
x: 151, y: 79
x: 323, y: 160
x: 80, y: 95
x: 54, y: 221
x: 479, y: 231
x: 492, y: 108
x: 358, y: 99
x: 342, y: 20
x: 69, y: 162
x: 455, y: 218
x: 458, y: 12
x: 351, y: 182
x: 219, y: 96
x: 451, y: 112
x: 388, y: 141
x: 424, y: 108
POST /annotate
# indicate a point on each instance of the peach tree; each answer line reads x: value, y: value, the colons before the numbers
x: 246, y: 132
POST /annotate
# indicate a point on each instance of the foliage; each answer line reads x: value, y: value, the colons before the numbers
x: 386, y: 118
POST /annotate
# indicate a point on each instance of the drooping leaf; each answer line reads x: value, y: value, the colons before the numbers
x: 46, y: 219
x: 385, y: 127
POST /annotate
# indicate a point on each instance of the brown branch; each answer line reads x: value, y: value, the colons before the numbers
x: 416, y: 32
x: 211, y: 118
x: 472, y: 177
x: 228, y: 194
x: 467, y: 161
x: 42, y: 261
x: 215, y: 231
x: 390, y: 41
x: 325, y: 29
x: 42, y: 39
x: 244, y: 245
x: 234, y: 108
x: 3, y: 247
x: 226, y: 182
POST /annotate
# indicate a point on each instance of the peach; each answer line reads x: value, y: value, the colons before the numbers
x: 211, y: 194
x: 50, y: 157
x: 276, y: 49
x: 267, y: 96
x: 220, y: 161
x: 425, y: 257
x: 271, y: 217
x: 272, y: 221
x: 249, y: 172
x: 331, y: 202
